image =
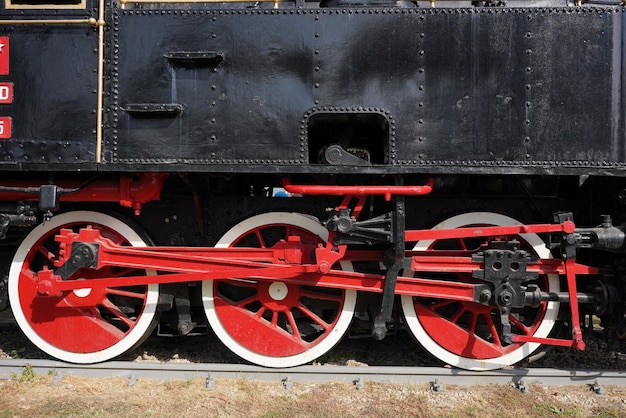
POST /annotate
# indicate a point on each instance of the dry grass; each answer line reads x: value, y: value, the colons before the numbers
x: 27, y: 395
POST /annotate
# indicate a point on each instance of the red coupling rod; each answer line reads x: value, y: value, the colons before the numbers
x: 386, y: 191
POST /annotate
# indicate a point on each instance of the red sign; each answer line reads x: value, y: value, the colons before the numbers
x: 4, y: 55
x: 5, y: 127
x: 6, y: 93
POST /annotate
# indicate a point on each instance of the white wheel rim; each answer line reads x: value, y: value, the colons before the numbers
x: 332, y: 338
x: 141, y: 326
x: 523, y: 351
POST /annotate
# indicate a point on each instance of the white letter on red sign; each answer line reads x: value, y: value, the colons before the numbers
x: 4, y: 55
x: 6, y: 93
x: 5, y: 127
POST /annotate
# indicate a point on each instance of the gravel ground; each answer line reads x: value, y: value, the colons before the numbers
x: 27, y: 395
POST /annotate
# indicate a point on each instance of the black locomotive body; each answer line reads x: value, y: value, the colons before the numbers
x: 451, y: 90
x: 337, y: 146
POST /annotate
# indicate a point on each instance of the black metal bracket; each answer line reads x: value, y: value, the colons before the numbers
x: 195, y: 58
x: 350, y: 231
x: 394, y: 262
x: 337, y: 155
x: 22, y: 216
x: 505, y: 267
x: 161, y: 109
x: 83, y: 255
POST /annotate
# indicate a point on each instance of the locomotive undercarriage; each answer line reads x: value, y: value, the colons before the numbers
x: 480, y: 290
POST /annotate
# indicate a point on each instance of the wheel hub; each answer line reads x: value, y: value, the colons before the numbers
x: 278, y: 291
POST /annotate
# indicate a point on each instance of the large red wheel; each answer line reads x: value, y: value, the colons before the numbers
x: 465, y: 334
x: 276, y: 324
x: 86, y: 325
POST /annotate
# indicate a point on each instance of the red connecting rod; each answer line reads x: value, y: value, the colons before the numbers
x: 284, y: 261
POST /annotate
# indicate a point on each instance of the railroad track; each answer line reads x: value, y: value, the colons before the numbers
x: 437, y: 377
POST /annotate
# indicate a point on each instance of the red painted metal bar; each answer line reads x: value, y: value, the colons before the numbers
x: 285, y: 260
x: 577, y: 333
x: 128, y: 191
x: 487, y: 231
x: 422, y: 261
x: 455, y: 264
x: 550, y: 341
x: 386, y: 191
x: 358, y: 206
x: 52, y: 285
x: 286, y: 255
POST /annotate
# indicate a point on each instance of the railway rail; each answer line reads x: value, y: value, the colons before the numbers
x: 437, y: 377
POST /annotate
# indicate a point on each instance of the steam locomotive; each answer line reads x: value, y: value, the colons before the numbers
x: 286, y: 173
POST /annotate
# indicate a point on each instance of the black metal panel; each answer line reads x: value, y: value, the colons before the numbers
x: 456, y: 88
x: 448, y: 90
x: 245, y: 108
x: 474, y: 88
x: 370, y: 61
x: 570, y: 87
x: 53, y: 71
x: 518, y: 86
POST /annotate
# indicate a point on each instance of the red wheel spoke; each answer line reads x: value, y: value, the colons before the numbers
x: 117, y: 313
x: 493, y: 330
x: 289, y: 231
x: 294, y: 327
x: 471, y: 327
x: 455, y: 318
x: 242, y: 303
x: 525, y: 330
x: 259, y: 237
x: 314, y: 317
x: 260, y: 312
x: 48, y: 255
